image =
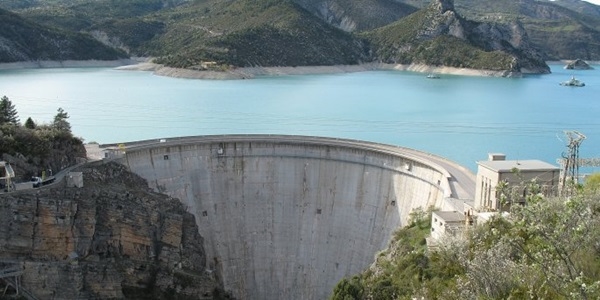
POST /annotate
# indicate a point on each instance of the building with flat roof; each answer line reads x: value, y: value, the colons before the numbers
x: 515, y: 173
x: 446, y: 223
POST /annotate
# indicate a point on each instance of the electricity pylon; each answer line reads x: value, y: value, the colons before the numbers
x: 570, y: 171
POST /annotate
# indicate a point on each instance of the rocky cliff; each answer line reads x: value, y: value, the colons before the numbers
x: 357, y: 15
x: 578, y: 64
x: 113, y: 238
x: 438, y: 35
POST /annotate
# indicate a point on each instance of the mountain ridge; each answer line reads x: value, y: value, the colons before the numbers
x: 221, y: 35
x: 22, y: 40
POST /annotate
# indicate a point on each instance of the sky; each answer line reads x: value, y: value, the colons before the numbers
x: 597, y: 2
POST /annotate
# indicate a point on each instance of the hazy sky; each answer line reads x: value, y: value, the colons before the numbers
x: 597, y: 2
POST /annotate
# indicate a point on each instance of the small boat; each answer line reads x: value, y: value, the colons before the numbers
x: 433, y: 76
x: 572, y: 82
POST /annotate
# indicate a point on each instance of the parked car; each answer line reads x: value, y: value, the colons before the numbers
x: 37, y: 181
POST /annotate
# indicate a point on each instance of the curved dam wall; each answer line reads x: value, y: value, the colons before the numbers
x: 287, y: 217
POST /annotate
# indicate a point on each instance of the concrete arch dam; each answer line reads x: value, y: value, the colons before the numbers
x: 287, y: 217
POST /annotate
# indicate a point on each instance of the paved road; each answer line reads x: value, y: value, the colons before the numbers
x: 461, y: 180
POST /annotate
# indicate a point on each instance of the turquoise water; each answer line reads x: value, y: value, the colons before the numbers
x: 459, y: 117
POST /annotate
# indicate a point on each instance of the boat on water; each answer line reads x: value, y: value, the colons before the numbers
x: 433, y: 76
x: 572, y: 82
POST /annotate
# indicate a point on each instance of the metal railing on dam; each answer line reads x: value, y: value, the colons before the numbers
x: 289, y: 216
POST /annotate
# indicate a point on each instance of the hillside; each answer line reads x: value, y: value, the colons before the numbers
x: 357, y: 15
x: 545, y: 250
x: 23, y: 40
x: 437, y: 35
x: 252, y: 33
x: 564, y: 29
x: 220, y: 35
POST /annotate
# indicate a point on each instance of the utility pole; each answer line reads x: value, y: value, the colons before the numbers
x: 570, y: 172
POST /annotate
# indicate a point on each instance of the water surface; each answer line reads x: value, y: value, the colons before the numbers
x: 459, y: 117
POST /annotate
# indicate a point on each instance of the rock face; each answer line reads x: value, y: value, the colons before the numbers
x: 357, y: 15
x: 444, y: 5
x: 510, y: 38
x: 114, y: 238
x: 578, y: 64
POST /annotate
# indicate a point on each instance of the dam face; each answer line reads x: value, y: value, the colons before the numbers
x: 287, y: 217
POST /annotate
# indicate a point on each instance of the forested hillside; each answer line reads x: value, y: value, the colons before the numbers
x: 547, y: 249
x: 33, y: 148
x: 563, y: 29
x: 224, y: 34
x: 23, y: 40
x: 438, y: 35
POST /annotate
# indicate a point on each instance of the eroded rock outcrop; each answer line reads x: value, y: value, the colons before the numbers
x: 578, y: 64
x: 114, y: 238
x: 439, y: 21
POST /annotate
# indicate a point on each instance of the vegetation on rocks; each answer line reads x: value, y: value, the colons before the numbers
x: 546, y: 249
x: 437, y: 35
x: 23, y: 40
x: 558, y: 29
x: 113, y: 238
x: 253, y: 33
x: 33, y: 148
x: 218, y: 35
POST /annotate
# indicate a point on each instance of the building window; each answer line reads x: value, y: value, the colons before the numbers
x: 318, y: 211
x: 166, y: 157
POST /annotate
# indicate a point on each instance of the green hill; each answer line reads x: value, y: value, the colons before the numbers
x: 252, y: 33
x: 547, y: 249
x: 563, y: 29
x: 437, y: 35
x: 185, y: 33
x: 23, y: 40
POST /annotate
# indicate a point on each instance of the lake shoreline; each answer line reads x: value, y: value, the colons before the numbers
x: 143, y: 64
x: 253, y: 72
x: 49, y: 64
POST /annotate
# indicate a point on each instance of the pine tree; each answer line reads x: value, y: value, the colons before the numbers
x: 29, y: 123
x: 8, y: 112
x: 60, y: 121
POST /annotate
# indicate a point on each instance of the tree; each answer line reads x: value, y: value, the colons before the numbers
x: 60, y: 121
x: 30, y: 124
x: 592, y: 182
x: 546, y: 249
x: 8, y: 112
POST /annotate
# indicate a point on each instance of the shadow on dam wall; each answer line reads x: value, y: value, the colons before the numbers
x: 287, y: 217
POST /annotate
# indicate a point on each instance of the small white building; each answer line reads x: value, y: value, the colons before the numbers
x: 513, y: 172
x: 446, y: 223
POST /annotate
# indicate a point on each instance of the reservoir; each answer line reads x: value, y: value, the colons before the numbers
x: 459, y: 117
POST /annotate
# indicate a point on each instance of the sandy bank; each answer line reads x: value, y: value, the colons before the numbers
x: 245, y: 73
x: 139, y: 64
x: 66, y: 64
